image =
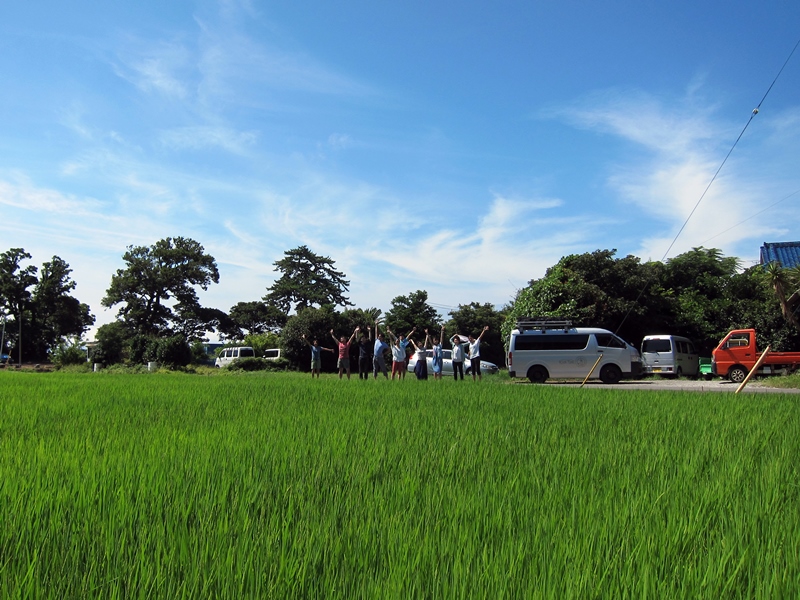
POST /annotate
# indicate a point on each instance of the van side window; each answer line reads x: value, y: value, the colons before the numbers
x: 246, y: 352
x: 538, y: 341
x: 608, y: 340
x: 690, y: 348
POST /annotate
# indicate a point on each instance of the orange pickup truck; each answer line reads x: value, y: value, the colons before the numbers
x: 736, y: 355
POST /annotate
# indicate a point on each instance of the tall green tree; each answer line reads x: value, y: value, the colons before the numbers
x: 307, y: 280
x: 785, y: 283
x: 471, y: 319
x: 313, y: 323
x: 158, y: 284
x: 412, y: 311
x: 42, y: 302
x: 55, y: 314
x: 592, y: 289
x: 15, y: 282
x: 254, y: 318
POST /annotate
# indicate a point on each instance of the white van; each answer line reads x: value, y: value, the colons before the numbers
x: 669, y: 355
x: 228, y: 355
x: 540, y: 348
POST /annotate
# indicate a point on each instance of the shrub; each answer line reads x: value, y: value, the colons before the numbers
x: 172, y: 351
x: 259, y: 364
x: 68, y: 354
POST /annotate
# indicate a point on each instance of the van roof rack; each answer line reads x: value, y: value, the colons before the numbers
x: 543, y: 323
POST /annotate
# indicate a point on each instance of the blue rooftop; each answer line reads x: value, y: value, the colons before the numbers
x: 785, y: 253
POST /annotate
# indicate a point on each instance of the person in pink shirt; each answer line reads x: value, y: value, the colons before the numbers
x: 343, y: 363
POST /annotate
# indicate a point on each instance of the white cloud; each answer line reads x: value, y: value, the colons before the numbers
x: 684, y: 147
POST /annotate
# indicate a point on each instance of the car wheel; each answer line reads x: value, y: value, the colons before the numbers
x: 537, y: 374
x: 737, y: 374
x: 610, y: 374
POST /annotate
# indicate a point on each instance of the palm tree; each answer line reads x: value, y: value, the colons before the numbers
x: 784, y: 281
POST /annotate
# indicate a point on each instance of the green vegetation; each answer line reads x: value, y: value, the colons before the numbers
x: 273, y: 485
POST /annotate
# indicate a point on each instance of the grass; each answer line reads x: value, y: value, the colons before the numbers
x: 274, y: 485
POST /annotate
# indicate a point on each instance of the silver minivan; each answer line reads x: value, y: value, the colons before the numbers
x: 670, y: 355
x: 543, y: 348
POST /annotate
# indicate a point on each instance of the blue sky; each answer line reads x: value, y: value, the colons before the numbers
x: 460, y: 148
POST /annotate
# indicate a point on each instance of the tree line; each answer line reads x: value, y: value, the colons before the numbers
x: 700, y: 294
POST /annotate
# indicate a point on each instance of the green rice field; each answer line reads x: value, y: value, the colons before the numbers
x: 278, y: 486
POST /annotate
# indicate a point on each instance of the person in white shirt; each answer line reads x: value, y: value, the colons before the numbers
x: 458, y: 357
x: 475, y: 353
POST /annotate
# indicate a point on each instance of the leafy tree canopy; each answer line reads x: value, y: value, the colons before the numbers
x: 699, y: 294
x: 307, y: 280
x: 254, y: 318
x: 156, y: 289
x: 49, y: 313
x: 412, y: 311
x: 313, y: 323
x: 471, y: 319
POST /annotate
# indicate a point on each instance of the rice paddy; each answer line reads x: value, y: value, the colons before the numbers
x: 274, y: 485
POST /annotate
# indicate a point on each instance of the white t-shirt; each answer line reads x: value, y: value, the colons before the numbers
x: 475, y: 349
x: 398, y: 353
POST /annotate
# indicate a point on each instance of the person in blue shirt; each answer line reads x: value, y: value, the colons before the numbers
x: 316, y: 356
x: 437, y: 361
x: 378, y: 360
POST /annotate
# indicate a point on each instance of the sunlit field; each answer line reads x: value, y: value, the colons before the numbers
x: 276, y: 485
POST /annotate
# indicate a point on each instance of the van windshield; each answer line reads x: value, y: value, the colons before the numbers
x: 656, y: 346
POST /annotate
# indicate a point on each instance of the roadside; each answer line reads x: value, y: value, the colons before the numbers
x: 689, y: 385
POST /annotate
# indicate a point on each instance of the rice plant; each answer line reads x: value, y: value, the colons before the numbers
x: 274, y: 485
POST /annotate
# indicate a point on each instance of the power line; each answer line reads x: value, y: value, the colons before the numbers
x: 750, y: 217
x: 677, y: 235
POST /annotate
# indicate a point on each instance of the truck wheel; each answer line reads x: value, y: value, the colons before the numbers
x: 737, y: 374
x: 610, y: 374
x: 537, y: 374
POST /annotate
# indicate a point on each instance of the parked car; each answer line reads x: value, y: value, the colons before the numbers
x: 228, y: 355
x: 447, y: 364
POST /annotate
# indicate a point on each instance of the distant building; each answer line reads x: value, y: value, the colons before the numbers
x: 787, y: 254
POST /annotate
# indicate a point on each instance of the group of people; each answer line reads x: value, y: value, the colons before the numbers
x: 371, y: 354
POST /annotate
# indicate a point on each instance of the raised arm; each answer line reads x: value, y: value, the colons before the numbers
x: 334, y: 338
x: 413, y: 329
x: 441, y: 337
x: 485, y: 329
x: 305, y: 340
x: 391, y: 335
x: 353, y: 335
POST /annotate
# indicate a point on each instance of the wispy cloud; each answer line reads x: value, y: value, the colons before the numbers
x: 684, y: 145
x: 202, y: 137
x: 160, y: 67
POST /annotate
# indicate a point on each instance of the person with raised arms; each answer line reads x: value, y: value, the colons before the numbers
x: 316, y: 355
x: 475, y: 353
x: 378, y: 361
x: 421, y: 356
x: 343, y: 364
x: 403, y: 341
x: 437, y: 361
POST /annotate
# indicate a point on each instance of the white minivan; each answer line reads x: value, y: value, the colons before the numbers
x: 228, y: 355
x: 669, y: 355
x: 541, y: 348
